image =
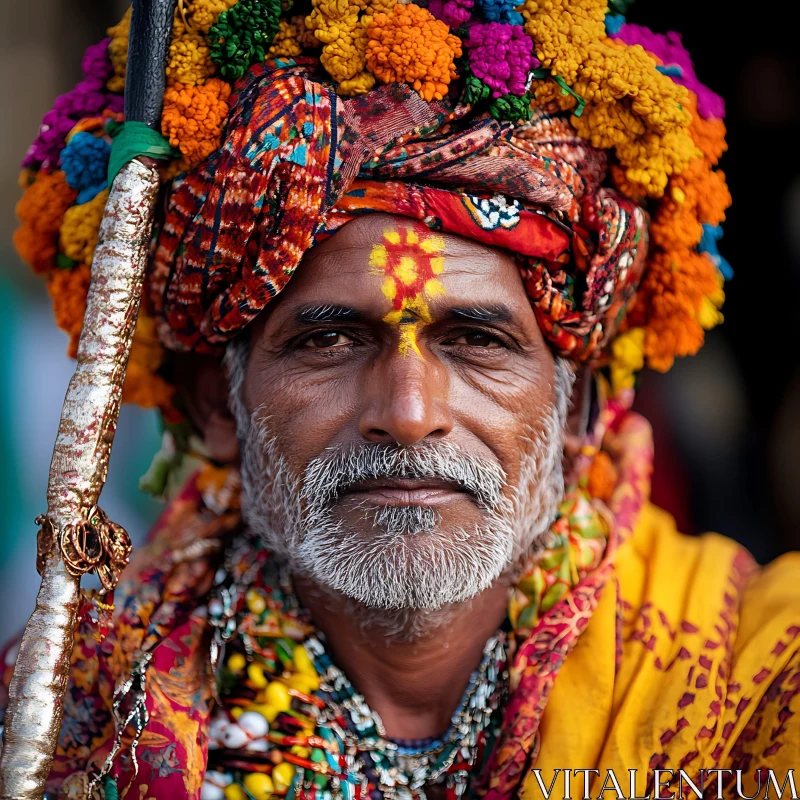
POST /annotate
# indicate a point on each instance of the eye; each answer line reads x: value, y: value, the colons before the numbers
x: 477, y: 339
x: 327, y: 339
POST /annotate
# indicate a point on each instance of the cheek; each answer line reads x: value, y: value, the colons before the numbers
x: 304, y: 412
x: 506, y: 410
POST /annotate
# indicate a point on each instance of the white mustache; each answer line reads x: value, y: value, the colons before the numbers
x: 327, y: 476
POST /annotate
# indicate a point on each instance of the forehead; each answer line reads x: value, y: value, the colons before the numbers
x: 351, y: 266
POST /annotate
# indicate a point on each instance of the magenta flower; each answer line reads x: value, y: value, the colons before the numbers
x: 96, y: 64
x: 501, y: 55
x: 454, y: 13
x: 669, y: 49
x: 89, y: 98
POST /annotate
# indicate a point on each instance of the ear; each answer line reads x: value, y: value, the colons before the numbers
x: 579, y: 413
x: 203, y: 387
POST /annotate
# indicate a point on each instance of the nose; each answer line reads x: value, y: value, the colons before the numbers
x: 406, y: 400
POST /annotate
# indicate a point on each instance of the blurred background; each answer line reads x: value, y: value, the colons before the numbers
x: 727, y: 422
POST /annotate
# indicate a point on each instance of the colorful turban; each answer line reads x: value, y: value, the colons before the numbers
x: 297, y: 162
x: 582, y: 144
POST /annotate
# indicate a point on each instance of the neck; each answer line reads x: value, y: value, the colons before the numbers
x: 413, y: 682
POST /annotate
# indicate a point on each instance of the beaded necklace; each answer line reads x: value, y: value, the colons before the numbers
x: 290, y: 724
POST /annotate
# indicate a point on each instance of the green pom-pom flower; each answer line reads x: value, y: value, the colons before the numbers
x: 508, y: 108
x: 242, y: 36
x: 511, y: 108
x: 475, y: 91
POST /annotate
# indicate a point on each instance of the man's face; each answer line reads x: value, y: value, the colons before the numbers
x: 401, y: 417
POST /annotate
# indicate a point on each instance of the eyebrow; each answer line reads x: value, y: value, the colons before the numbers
x: 327, y: 313
x: 493, y: 313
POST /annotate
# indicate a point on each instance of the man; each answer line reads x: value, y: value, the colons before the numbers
x: 445, y: 578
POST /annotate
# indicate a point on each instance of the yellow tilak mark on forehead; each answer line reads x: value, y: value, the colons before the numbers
x: 409, y: 264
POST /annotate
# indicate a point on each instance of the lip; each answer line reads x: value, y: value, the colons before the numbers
x: 403, y: 492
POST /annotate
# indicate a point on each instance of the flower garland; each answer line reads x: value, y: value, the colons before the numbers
x: 632, y: 92
x: 682, y: 290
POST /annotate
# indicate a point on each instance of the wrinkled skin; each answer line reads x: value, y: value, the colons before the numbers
x: 483, y: 386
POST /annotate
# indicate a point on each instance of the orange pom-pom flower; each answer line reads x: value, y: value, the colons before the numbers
x: 41, y: 210
x: 193, y: 117
x: 409, y: 45
x: 68, y: 289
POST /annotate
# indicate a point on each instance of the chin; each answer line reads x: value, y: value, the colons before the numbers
x: 427, y: 567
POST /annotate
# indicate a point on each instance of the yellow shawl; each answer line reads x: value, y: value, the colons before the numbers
x: 708, y: 675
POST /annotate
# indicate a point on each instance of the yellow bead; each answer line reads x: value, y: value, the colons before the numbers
x: 259, y: 785
x: 282, y: 775
x: 278, y: 695
x: 304, y: 683
x: 299, y: 750
x: 237, y: 662
x: 255, y: 602
x: 268, y: 712
x: 235, y: 792
x: 237, y: 712
x: 256, y: 675
x: 302, y: 661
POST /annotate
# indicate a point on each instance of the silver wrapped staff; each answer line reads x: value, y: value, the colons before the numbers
x: 75, y: 536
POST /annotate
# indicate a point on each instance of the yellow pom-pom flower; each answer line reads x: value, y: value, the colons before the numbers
x: 286, y: 43
x: 80, y: 228
x: 631, y: 108
x: 336, y: 24
x: 409, y: 45
x: 118, y: 52
x: 563, y: 31
x: 359, y: 84
x: 344, y: 56
x: 292, y: 38
x: 341, y: 27
x: 627, y: 357
x: 189, y: 60
x: 200, y: 15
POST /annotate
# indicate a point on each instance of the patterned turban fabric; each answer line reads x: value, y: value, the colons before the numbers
x: 298, y: 161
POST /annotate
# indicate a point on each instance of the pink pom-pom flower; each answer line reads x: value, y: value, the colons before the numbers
x: 501, y: 55
x: 89, y: 98
x: 454, y: 13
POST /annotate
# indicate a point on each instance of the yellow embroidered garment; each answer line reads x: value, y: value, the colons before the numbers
x: 708, y: 675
